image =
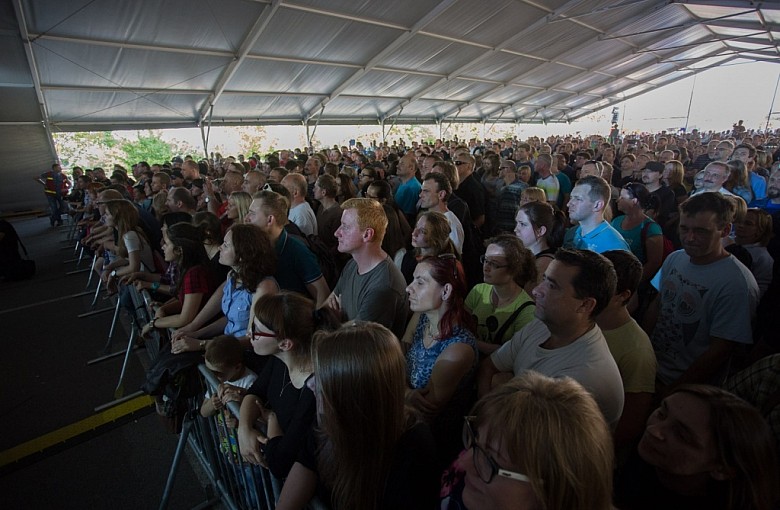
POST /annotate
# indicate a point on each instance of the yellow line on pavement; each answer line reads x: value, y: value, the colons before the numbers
x: 39, y: 444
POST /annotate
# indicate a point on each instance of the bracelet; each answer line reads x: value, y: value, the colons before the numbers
x: 151, y: 323
x: 155, y: 286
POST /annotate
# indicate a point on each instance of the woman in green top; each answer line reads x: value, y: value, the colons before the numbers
x: 506, y: 266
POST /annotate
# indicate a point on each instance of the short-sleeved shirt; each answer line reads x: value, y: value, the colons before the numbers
x: 587, y: 360
x: 378, y: 295
x: 303, y: 216
x: 236, y: 305
x: 697, y: 302
x: 634, y: 236
x: 602, y: 238
x: 633, y: 353
x: 565, y: 187
x: 407, y: 194
x: 197, y: 280
x: 508, y: 204
x: 478, y: 301
x: 551, y: 187
x: 472, y: 192
x: 296, y: 265
x: 133, y: 243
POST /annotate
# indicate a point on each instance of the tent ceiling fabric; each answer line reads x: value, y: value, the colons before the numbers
x: 113, y: 64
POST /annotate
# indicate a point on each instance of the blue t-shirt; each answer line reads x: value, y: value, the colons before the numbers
x: 634, y: 236
x: 407, y: 195
x: 600, y: 239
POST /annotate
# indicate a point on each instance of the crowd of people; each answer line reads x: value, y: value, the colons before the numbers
x: 555, y: 323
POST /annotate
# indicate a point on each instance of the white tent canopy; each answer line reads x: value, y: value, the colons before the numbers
x: 82, y: 65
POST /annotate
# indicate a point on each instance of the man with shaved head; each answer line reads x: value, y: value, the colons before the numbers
x: 300, y: 212
x: 408, y: 192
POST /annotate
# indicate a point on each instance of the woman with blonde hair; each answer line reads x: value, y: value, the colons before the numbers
x: 753, y: 233
x: 238, y: 205
x: 739, y: 181
x: 372, y: 452
x: 674, y: 178
x: 534, y: 442
x: 132, y: 248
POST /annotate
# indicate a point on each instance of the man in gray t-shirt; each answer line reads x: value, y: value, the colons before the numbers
x: 371, y: 287
x: 565, y: 340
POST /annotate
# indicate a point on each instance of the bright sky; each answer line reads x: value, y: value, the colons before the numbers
x: 721, y: 96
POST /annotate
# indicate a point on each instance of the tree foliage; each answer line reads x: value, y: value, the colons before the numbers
x: 148, y: 147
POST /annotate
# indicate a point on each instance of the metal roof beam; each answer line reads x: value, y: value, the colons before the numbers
x: 259, y: 26
x: 688, y: 73
x: 537, y: 24
x: 36, y: 77
x: 403, y: 38
x: 737, y: 4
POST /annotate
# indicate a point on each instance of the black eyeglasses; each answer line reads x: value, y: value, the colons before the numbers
x: 493, y: 265
x: 486, y: 467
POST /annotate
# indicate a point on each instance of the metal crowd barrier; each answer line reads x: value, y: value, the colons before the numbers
x: 215, y: 445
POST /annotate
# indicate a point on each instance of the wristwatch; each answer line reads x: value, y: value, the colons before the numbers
x: 113, y: 273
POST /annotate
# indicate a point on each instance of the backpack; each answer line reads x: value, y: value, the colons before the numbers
x: 668, y: 246
x: 12, y: 266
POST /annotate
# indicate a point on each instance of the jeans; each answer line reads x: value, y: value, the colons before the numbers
x: 56, y: 206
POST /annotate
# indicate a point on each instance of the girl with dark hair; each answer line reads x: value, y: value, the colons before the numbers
x: 373, y: 452
x: 643, y: 235
x: 195, y: 283
x: 210, y: 229
x: 346, y: 188
x: 540, y: 226
x: 500, y: 305
x: 442, y: 349
x: 282, y: 330
x: 702, y: 448
x: 430, y: 238
x: 252, y: 260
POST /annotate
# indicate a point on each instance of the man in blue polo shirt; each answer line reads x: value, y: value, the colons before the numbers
x: 409, y: 191
x: 586, y: 205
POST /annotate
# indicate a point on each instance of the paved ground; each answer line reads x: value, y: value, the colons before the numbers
x: 46, y: 387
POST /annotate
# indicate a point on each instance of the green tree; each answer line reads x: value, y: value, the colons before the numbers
x: 88, y: 149
x: 252, y: 139
x: 148, y: 147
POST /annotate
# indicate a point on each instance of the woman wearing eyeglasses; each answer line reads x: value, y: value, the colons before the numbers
x: 500, y: 305
x: 441, y: 348
x: 281, y: 329
x: 534, y: 442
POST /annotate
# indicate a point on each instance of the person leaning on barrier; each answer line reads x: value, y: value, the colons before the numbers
x: 373, y: 451
x: 248, y: 252
x: 281, y: 331
x: 225, y: 358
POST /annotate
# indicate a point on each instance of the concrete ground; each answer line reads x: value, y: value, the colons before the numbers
x: 56, y: 451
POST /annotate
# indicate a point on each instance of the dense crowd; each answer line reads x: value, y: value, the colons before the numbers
x: 554, y: 323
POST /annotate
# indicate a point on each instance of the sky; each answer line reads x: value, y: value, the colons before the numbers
x: 721, y: 96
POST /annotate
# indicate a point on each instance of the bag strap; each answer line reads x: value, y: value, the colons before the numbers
x: 500, y: 333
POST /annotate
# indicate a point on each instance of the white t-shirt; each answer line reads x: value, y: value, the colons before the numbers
x: 587, y: 360
x: 551, y: 187
x: 303, y: 216
x: 133, y: 243
x: 456, y: 230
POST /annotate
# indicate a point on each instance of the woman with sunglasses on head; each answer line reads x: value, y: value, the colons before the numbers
x: 534, y: 442
x: 441, y: 348
x: 500, y: 305
x: 372, y: 451
x: 282, y: 329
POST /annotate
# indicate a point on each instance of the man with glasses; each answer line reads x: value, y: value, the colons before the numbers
x: 508, y: 196
x: 715, y: 176
x: 564, y: 340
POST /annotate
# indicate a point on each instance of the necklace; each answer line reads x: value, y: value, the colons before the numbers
x: 430, y: 333
x: 284, y: 386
